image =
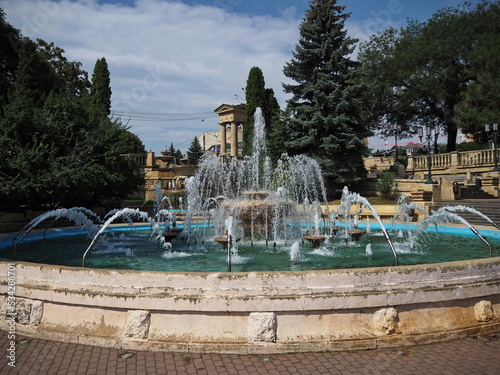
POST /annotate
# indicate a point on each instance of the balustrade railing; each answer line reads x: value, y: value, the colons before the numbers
x: 453, y: 162
x: 479, y: 157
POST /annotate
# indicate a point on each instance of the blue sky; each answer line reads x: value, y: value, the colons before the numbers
x: 173, y: 62
x: 398, y: 10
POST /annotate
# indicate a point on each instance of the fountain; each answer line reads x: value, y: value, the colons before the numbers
x: 316, y: 239
x: 265, y: 202
x: 239, y: 280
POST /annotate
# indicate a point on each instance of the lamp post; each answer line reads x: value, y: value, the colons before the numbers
x: 397, y: 129
x: 493, y: 136
x: 428, y: 137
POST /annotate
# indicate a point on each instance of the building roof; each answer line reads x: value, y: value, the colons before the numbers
x: 224, y: 108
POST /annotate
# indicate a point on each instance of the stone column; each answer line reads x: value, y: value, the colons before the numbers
x: 411, y: 164
x: 150, y: 159
x: 454, y: 161
x: 234, y: 139
x: 223, y: 138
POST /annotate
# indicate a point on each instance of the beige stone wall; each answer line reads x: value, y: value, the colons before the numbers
x: 378, y: 163
x: 258, y: 312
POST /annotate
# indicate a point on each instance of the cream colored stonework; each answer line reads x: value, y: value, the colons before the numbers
x: 483, y: 311
x: 257, y: 312
x: 262, y: 327
x: 384, y: 321
x: 28, y: 312
x: 137, y: 325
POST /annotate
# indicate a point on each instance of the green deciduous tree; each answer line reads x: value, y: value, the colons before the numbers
x: 10, y: 41
x: 55, y: 151
x: 69, y: 76
x: 481, y: 99
x: 324, y: 110
x: 417, y: 75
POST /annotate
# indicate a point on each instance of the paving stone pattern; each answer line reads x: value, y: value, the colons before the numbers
x: 470, y: 356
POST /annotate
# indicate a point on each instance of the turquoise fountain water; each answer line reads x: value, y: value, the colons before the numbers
x: 250, y: 215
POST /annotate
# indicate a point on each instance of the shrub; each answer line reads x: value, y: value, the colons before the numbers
x: 387, y: 186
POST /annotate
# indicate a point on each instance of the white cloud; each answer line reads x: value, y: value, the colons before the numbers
x: 164, y: 56
x: 289, y: 13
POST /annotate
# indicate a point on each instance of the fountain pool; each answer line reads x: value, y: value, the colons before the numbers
x: 287, y: 303
x: 134, y: 248
x: 258, y: 307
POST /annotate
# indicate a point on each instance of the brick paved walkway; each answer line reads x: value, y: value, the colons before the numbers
x: 470, y: 356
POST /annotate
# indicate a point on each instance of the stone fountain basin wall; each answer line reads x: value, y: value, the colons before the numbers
x: 264, y: 312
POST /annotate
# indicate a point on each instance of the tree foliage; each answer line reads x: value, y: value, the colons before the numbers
x: 255, y: 96
x: 54, y: 151
x: 387, y: 186
x: 100, y: 93
x: 480, y: 104
x: 417, y: 75
x: 274, y: 126
x: 194, y: 152
x: 10, y: 41
x: 324, y: 112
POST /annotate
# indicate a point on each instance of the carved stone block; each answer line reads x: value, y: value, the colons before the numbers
x: 483, y: 311
x: 262, y: 327
x: 28, y: 311
x: 385, y: 321
x: 137, y: 325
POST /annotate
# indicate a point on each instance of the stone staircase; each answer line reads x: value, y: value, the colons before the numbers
x: 489, y: 207
x: 474, y: 192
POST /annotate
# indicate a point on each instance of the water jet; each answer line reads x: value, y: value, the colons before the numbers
x: 388, y: 300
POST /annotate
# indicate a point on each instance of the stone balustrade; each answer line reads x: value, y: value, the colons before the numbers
x: 477, y: 161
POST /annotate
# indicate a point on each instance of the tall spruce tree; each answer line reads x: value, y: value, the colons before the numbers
x: 100, y: 92
x: 171, y: 149
x: 325, y: 106
x: 255, y: 96
x: 179, y: 155
x: 194, y: 152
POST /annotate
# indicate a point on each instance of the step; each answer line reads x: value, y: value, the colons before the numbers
x: 474, y: 192
x: 489, y: 207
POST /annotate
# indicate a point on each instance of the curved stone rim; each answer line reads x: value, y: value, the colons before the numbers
x: 257, y: 312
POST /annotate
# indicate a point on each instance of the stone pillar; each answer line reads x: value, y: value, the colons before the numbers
x: 411, y: 164
x: 150, y: 159
x: 454, y: 162
x: 223, y: 138
x: 234, y: 139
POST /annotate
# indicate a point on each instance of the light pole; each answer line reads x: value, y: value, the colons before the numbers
x: 397, y: 129
x: 428, y: 137
x: 493, y: 135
